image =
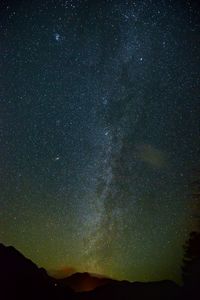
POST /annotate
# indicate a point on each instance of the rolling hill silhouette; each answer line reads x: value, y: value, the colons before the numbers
x: 118, y: 290
x: 82, y: 282
x: 21, y: 279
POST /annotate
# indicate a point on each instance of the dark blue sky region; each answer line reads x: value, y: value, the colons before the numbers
x: 99, y: 133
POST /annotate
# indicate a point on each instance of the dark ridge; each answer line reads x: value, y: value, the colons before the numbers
x: 80, y: 282
x: 21, y: 279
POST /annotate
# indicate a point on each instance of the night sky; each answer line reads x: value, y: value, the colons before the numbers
x: 99, y: 133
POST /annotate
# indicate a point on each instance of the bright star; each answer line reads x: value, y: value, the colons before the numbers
x: 57, y: 37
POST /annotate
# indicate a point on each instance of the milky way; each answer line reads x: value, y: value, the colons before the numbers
x: 99, y: 133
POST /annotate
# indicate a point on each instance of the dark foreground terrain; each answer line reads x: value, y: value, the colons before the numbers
x: 21, y: 279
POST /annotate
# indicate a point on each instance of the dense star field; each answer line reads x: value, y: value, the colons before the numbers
x: 99, y: 133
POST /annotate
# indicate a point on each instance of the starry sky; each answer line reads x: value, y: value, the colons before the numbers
x: 99, y: 133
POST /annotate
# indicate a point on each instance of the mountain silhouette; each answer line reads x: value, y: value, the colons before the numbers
x: 124, y: 290
x: 21, y: 279
x: 81, y: 282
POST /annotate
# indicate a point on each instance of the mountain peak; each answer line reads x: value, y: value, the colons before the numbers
x: 20, y: 278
